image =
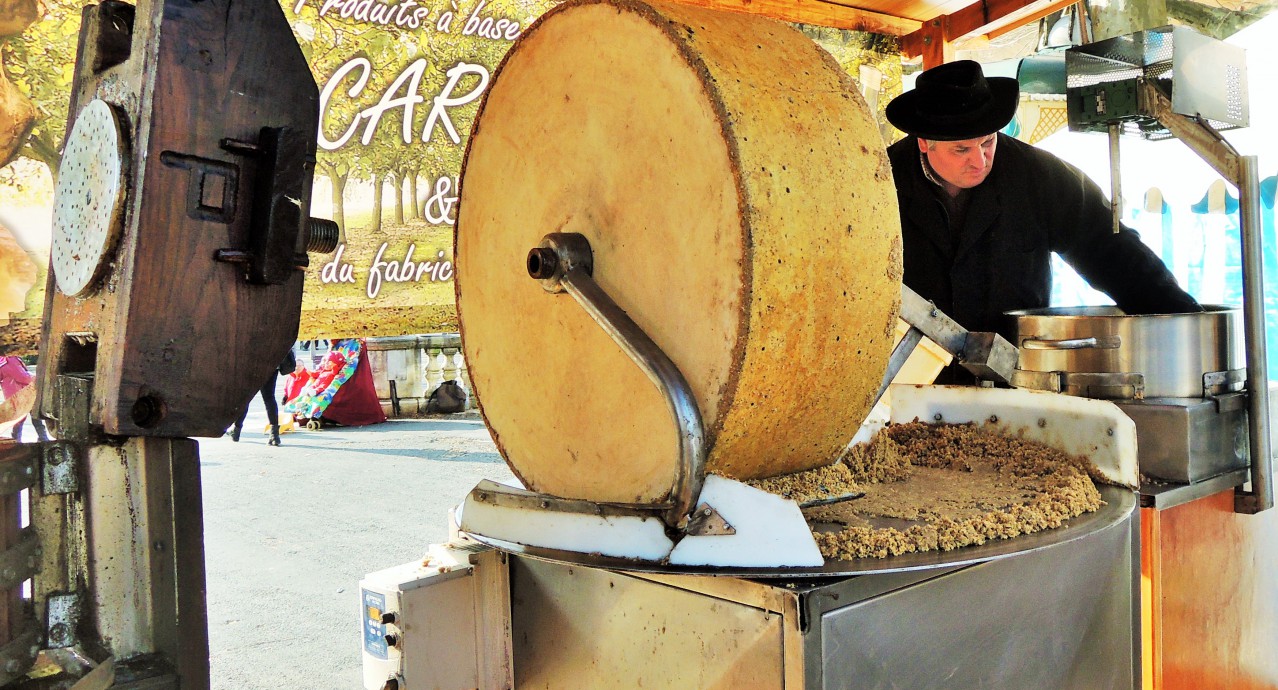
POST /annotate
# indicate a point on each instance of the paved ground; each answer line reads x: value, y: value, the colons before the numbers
x: 289, y: 532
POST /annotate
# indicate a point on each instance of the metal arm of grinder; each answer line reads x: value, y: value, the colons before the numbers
x: 563, y: 262
x: 1242, y: 172
x: 989, y: 356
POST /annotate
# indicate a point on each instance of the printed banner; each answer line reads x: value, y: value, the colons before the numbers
x: 400, y: 82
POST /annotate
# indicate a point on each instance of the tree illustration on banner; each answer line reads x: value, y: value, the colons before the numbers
x: 400, y: 83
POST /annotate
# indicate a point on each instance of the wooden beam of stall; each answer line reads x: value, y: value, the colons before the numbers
x: 817, y: 13
x: 938, y: 47
x: 995, y: 17
x: 1019, y: 19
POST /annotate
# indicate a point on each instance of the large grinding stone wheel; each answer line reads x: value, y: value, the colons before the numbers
x: 738, y: 200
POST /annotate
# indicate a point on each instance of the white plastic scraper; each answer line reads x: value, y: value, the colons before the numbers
x: 770, y: 531
x: 766, y: 531
x: 516, y: 516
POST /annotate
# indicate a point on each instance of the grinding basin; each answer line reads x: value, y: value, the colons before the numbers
x: 1093, y: 429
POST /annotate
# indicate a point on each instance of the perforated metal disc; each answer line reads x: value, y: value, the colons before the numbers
x: 88, y: 203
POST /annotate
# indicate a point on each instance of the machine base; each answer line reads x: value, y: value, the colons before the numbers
x: 1059, y: 617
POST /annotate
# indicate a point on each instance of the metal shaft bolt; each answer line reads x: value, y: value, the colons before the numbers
x: 542, y: 263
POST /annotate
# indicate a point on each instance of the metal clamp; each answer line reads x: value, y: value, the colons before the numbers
x: 988, y: 356
x: 58, y: 462
x: 1105, y: 385
x: 279, y: 224
x: 564, y: 262
x: 62, y: 619
x: 1037, y: 380
x: 1219, y: 382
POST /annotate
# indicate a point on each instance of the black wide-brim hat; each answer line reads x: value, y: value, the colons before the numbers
x: 955, y: 101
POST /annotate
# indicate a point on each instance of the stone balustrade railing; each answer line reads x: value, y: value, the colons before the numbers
x: 407, y: 369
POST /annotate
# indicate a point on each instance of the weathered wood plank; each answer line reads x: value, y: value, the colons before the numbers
x: 183, y: 341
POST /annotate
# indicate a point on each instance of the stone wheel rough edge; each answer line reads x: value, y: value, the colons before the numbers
x: 754, y: 421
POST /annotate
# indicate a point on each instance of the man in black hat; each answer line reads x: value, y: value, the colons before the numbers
x: 978, y: 237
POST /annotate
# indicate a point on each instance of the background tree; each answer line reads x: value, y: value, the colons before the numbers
x: 379, y: 191
x: 40, y: 63
x: 17, y: 112
x: 415, y: 206
x: 329, y: 41
x: 398, y: 182
x: 337, y: 171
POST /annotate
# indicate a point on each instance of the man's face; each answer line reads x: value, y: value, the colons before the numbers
x: 963, y: 164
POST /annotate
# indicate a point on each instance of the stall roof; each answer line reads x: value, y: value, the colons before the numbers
x: 927, y: 28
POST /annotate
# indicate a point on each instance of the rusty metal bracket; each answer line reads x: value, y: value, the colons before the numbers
x: 1106, y: 385
x: 62, y: 618
x: 1194, y: 132
x: 59, y: 461
x: 707, y: 522
x: 1223, y: 382
x: 280, y: 232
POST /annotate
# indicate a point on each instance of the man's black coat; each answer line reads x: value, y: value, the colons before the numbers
x: 1032, y: 204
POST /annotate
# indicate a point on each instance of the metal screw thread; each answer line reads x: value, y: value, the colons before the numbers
x: 321, y: 235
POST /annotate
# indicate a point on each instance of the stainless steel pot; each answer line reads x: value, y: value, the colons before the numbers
x: 1100, y: 352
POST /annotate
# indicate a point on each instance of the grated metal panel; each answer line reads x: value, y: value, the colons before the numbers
x: 1202, y: 76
